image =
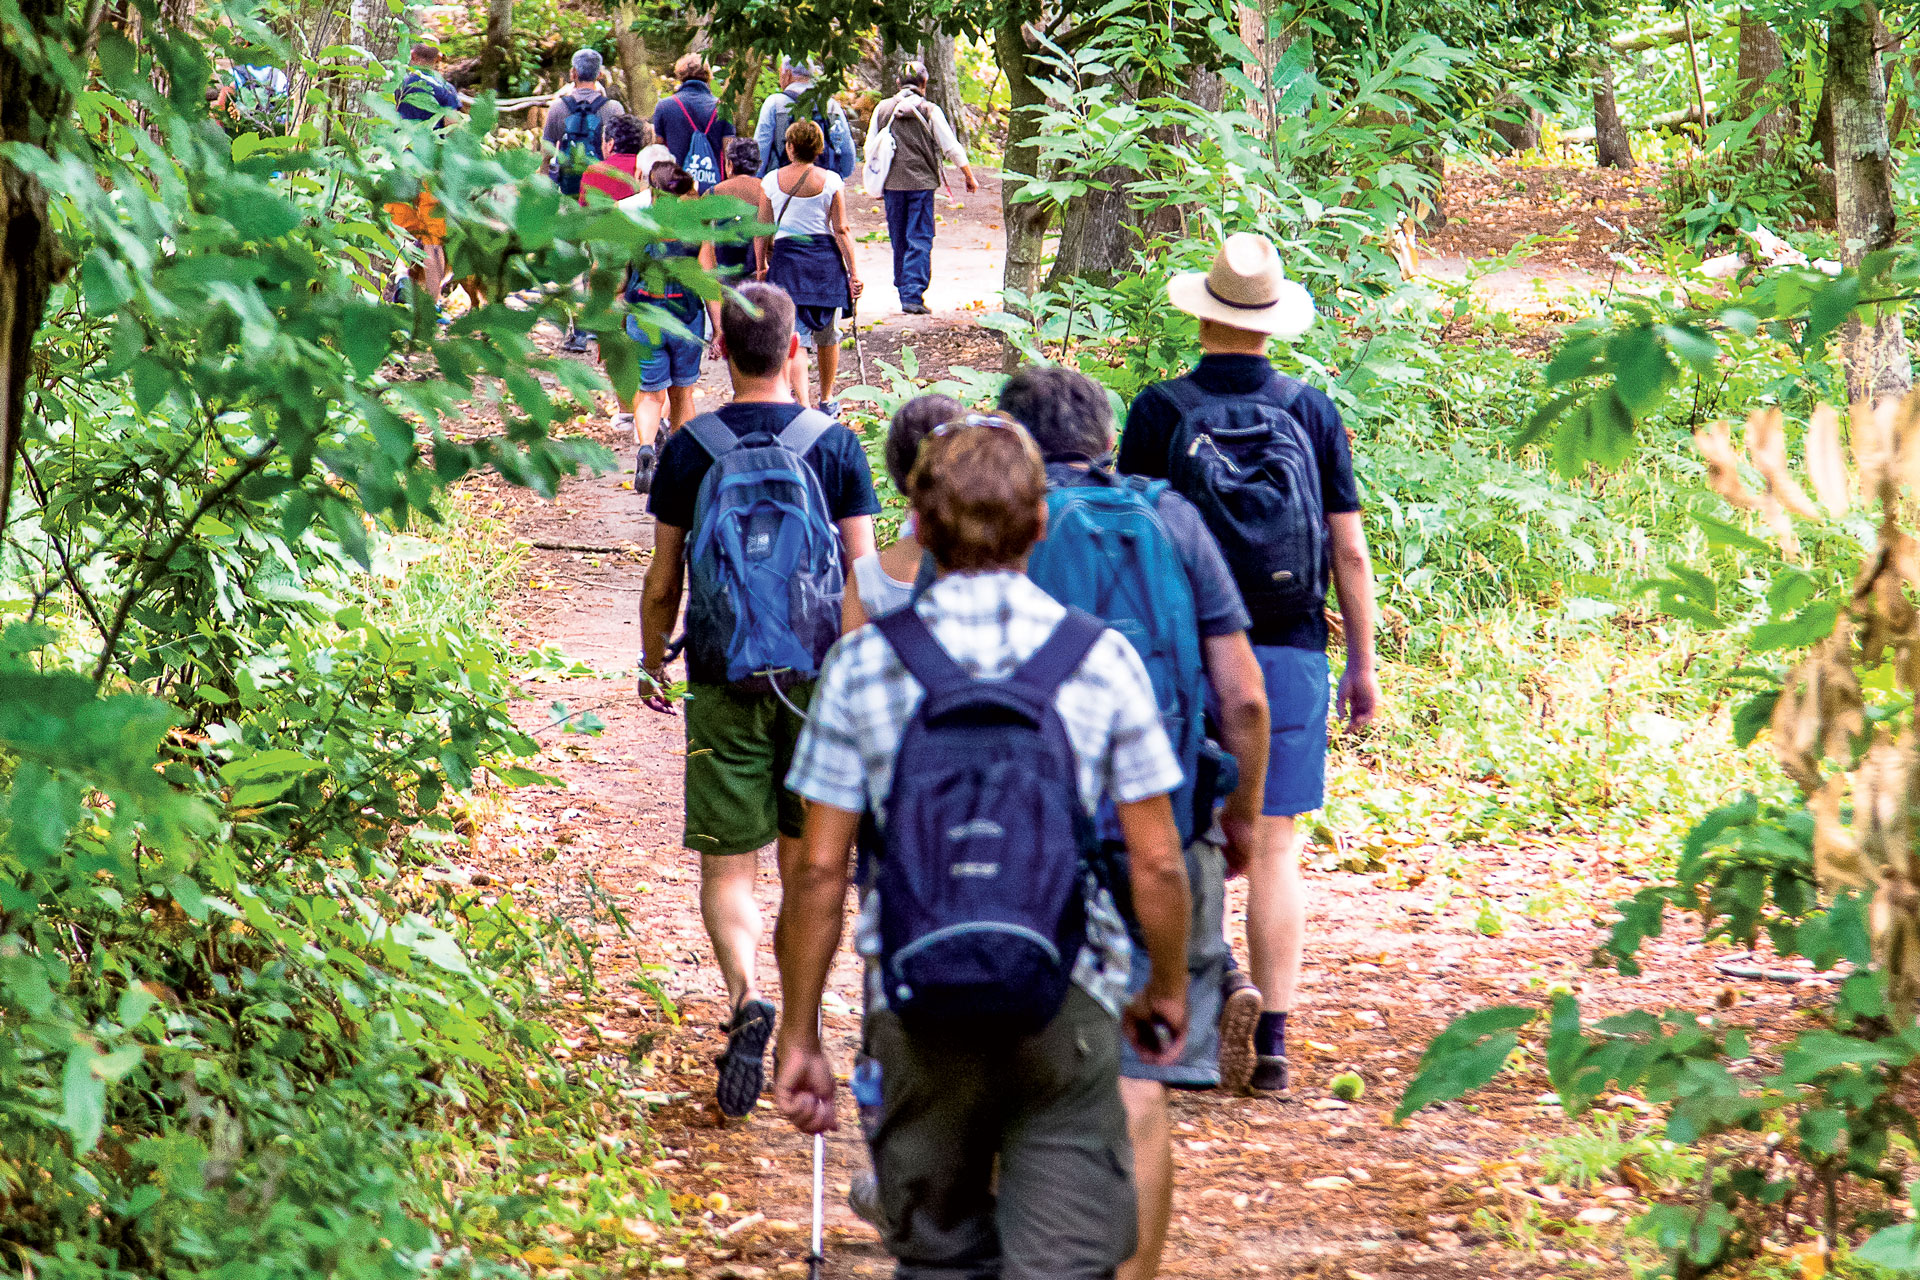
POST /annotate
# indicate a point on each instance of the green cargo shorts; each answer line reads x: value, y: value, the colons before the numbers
x: 739, y: 748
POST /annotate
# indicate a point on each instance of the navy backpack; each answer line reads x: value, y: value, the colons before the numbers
x: 1107, y: 552
x: 1249, y: 467
x: 764, y: 571
x: 700, y: 162
x: 582, y: 131
x: 983, y: 873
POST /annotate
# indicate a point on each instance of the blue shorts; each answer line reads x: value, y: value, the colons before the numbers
x: 1207, y: 957
x: 1297, y: 699
x: 672, y: 361
x: 814, y: 323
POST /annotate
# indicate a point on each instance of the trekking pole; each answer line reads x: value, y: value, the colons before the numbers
x: 817, y: 1258
x: 859, y: 352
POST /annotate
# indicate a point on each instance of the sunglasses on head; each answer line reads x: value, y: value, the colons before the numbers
x: 976, y: 420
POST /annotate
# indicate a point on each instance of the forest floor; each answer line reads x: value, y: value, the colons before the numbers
x: 1307, y: 1185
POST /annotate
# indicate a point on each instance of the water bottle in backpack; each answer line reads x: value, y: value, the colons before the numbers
x: 582, y: 131
x: 764, y: 568
x: 1249, y: 467
x: 983, y: 873
x: 1106, y: 552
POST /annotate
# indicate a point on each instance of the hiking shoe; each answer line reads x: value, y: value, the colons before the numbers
x: 576, y: 342
x: 1270, y: 1074
x: 916, y: 309
x: 643, y: 465
x: 743, y: 1067
x: 623, y: 421
x: 863, y: 1197
x: 831, y: 408
x: 1239, y: 1012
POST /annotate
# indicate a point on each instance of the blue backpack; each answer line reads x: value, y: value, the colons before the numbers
x: 983, y: 877
x: 1106, y: 552
x: 835, y: 157
x: 582, y: 131
x: 763, y: 557
x: 700, y: 162
x: 1249, y: 468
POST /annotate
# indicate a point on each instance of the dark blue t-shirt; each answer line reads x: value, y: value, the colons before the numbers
x: 416, y: 86
x: 692, y: 109
x: 846, y: 479
x: 1216, y: 600
x: 1153, y: 419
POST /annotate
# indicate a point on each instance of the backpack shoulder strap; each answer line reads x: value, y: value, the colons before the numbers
x: 713, y: 435
x: 1185, y: 395
x: 1291, y: 389
x: 1061, y: 655
x: 920, y: 653
x: 805, y: 430
x: 697, y: 128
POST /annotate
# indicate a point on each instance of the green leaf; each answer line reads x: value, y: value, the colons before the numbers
x: 1465, y: 1056
x: 83, y: 1096
x: 105, y: 283
x: 1694, y: 345
x: 1642, y: 370
x: 1810, y: 625
x: 1753, y: 715
x: 1897, y: 1248
x: 187, y: 893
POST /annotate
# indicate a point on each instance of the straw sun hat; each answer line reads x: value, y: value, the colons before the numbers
x: 1246, y: 288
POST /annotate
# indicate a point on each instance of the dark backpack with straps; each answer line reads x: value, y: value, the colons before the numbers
x: 1249, y: 467
x: 983, y: 878
x: 763, y: 558
x: 834, y: 157
x: 582, y: 131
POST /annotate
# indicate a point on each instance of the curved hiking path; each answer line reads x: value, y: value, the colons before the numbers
x: 1304, y: 1186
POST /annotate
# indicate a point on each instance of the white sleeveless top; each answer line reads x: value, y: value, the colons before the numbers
x: 806, y: 215
x: 880, y: 594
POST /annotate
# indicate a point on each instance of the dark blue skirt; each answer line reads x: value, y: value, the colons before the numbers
x: 810, y: 270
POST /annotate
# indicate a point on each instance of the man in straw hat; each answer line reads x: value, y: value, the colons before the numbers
x: 1265, y: 459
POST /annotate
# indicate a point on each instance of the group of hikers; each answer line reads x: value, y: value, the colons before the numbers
x: 1036, y: 735
x: 793, y: 171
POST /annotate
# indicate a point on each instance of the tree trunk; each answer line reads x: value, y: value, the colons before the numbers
x: 943, y: 79
x: 1761, y: 58
x: 1876, y: 354
x: 1026, y: 223
x: 1517, y: 124
x: 1611, y: 146
x: 633, y: 59
x: 32, y: 261
x: 493, y: 46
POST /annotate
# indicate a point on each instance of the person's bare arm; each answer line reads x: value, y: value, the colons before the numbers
x: 843, y: 235
x: 1163, y: 906
x: 1359, y: 695
x: 710, y: 262
x: 660, y: 604
x: 1246, y: 728
x: 813, y: 890
x: 763, y: 245
x: 856, y: 540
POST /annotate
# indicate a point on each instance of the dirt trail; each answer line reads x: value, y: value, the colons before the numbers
x: 1305, y: 1186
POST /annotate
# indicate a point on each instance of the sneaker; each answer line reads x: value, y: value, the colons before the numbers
x: 743, y: 1067
x: 863, y: 1197
x: 916, y: 309
x: 623, y: 421
x: 831, y: 408
x: 577, y: 340
x: 643, y: 465
x: 1239, y: 1012
x: 1270, y: 1074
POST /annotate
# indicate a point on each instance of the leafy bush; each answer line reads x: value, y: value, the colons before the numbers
x: 1737, y: 185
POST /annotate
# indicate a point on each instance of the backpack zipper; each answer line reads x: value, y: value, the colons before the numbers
x: 1193, y: 450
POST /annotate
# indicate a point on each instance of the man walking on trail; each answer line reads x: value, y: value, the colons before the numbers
x: 981, y: 726
x: 689, y: 123
x: 1221, y: 435
x: 576, y: 132
x: 1137, y: 554
x: 745, y: 705
x: 920, y: 139
x: 776, y: 113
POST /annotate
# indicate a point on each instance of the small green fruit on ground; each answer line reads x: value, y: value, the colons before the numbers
x: 1347, y: 1086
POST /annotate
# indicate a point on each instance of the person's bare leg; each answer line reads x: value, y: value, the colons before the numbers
x: 434, y: 269
x: 1151, y: 1130
x: 829, y: 368
x: 679, y: 407
x: 732, y: 917
x: 1276, y: 914
x: 798, y: 380
x: 648, y: 406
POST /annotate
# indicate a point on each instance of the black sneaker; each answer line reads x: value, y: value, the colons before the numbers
x: 643, y: 465
x: 577, y: 340
x: 1270, y: 1074
x: 916, y: 309
x: 743, y: 1067
x: 1239, y: 1013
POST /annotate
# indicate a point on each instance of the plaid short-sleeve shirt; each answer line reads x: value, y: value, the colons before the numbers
x: 990, y: 623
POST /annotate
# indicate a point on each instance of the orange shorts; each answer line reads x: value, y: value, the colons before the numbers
x: 417, y: 219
